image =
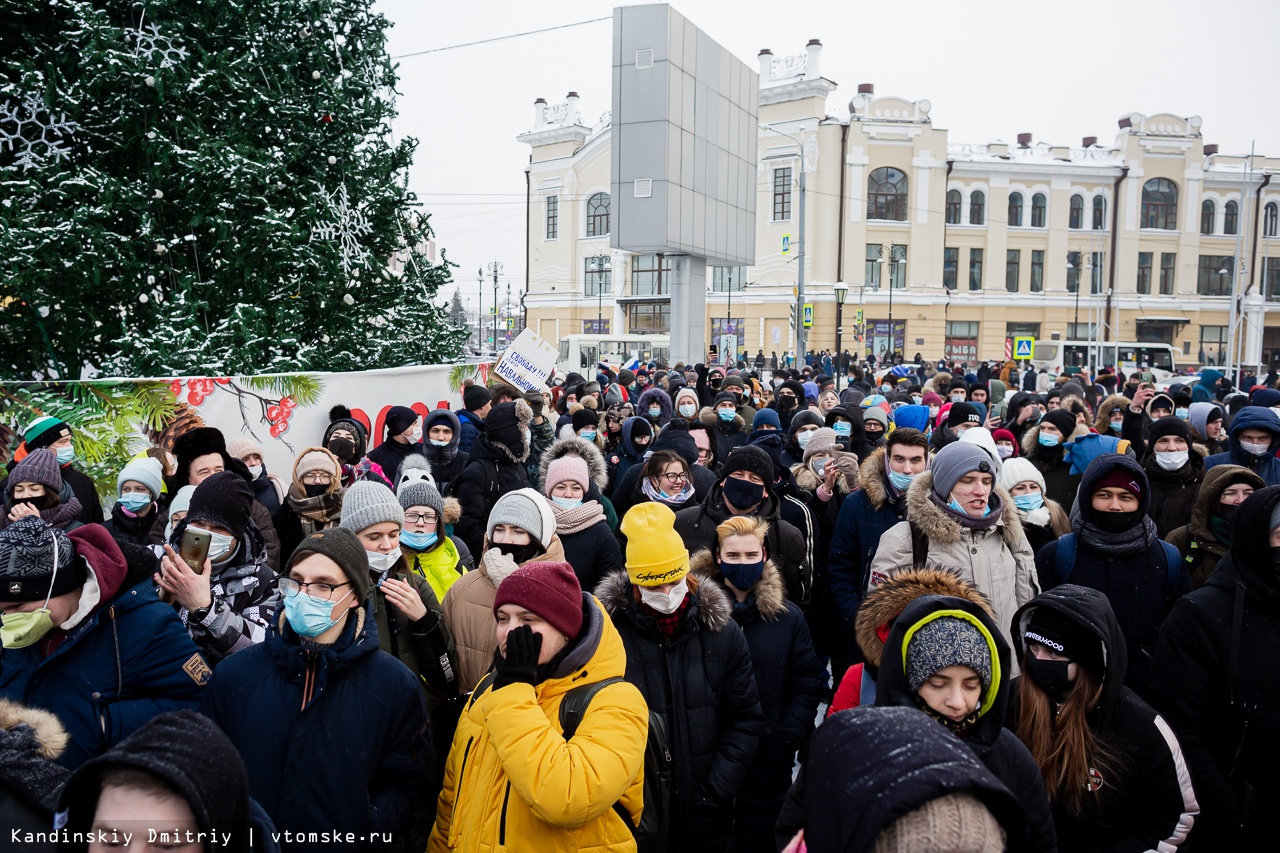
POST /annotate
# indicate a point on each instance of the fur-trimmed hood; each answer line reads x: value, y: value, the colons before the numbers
x: 715, y: 611
x: 653, y: 396
x: 871, y: 479
x: 709, y: 419
x: 48, y: 729
x: 575, y: 446
x: 1031, y: 441
x: 770, y: 591
x: 886, y: 601
x: 941, y: 528
x: 1102, y: 422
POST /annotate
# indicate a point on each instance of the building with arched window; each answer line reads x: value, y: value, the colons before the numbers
x: 946, y: 247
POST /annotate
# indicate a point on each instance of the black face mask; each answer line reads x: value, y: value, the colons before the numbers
x: 715, y: 383
x: 343, y: 448
x: 1116, y: 522
x: 315, y: 490
x: 40, y: 502
x: 1050, y: 676
x: 1224, y: 511
x: 742, y: 494
x: 785, y: 403
x: 520, y: 553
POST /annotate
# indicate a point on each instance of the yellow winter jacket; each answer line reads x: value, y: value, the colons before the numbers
x: 513, y: 782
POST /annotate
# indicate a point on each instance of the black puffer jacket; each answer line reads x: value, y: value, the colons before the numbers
x: 998, y: 747
x: 1225, y: 705
x: 1173, y: 493
x: 1136, y: 584
x: 446, y: 462
x: 791, y: 682
x: 488, y: 462
x: 700, y: 681
x: 725, y: 435
x: 1151, y: 805
x: 126, y: 528
x: 785, y: 544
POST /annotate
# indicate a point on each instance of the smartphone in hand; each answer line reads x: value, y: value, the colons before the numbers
x: 195, y: 549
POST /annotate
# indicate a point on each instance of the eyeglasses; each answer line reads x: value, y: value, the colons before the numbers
x: 674, y: 479
x: 291, y: 588
x: 316, y: 478
x: 423, y: 517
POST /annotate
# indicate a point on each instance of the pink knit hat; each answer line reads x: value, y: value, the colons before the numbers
x: 571, y: 468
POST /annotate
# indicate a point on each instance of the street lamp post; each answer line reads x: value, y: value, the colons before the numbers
x: 841, y: 291
x: 495, y: 267
x: 893, y: 333
x: 480, y: 311
x: 729, y: 320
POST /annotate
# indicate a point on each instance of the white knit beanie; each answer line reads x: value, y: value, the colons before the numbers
x: 526, y: 509
x: 1019, y: 470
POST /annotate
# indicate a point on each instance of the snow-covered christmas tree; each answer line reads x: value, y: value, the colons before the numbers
x: 207, y: 188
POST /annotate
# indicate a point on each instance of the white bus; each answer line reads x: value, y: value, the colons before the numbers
x: 1128, y: 356
x: 581, y: 353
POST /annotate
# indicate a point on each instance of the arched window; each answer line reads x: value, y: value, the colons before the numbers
x: 1099, y: 213
x: 1230, y: 217
x: 953, y: 207
x: 1037, y: 210
x: 1270, y: 219
x: 1076, y: 216
x: 887, y: 194
x: 1160, y: 204
x: 1208, y: 213
x: 977, y: 208
x: 598, y: 215
x: 1015, y: 210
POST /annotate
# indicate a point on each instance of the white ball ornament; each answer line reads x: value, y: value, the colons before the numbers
x: 332, y: 160
x: 349, y: 299
x: 150, y: 81
x: 315, y: 75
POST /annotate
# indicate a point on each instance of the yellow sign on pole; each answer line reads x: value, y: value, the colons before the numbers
x: 808, y: 315
x: 1024, y: 348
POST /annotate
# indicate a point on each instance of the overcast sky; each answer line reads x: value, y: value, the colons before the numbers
x: 991, y: 68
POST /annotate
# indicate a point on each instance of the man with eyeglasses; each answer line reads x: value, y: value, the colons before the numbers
x: 333, y: 733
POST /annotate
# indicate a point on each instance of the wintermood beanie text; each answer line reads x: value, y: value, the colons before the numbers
x: 223, y: 499
x: 956, y: 460
x: 655, y: 552
x: 368, y: 503
x: 1062, y: 634
x: 549, y: 589
x: 943, y: 642
x: 343, y: 547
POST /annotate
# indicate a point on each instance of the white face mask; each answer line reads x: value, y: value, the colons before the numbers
x: 415, y: 435
x: 802, y: 438
x: 1004, y: 450
x: 688, y: 409
x: 665, y: 602
x: 219, y: 544
x: 380, y: 562
x: 256, y: 470
x: 1171, y: 460
x: 1255, y: 449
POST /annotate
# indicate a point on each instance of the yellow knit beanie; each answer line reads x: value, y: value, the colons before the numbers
x: 655, y: 552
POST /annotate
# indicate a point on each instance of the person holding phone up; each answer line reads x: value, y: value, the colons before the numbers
x: 222, y: 584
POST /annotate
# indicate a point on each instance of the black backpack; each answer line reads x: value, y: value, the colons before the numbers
x: 651, y: 832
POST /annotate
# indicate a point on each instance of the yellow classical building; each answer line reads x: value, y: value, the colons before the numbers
x: 944, y: 247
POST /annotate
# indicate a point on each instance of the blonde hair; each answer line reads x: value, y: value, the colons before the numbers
x: 743, y: 525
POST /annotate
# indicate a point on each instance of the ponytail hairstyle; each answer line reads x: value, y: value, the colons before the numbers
x: 1064, y: 745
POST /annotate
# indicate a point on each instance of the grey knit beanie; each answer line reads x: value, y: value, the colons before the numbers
x: 144, y: 470
x: 823, y: 440
x: 943, y: 642
x: 421, y: 493
x: 527, y: 510
x: 954, y: 461
x: 368, y: 503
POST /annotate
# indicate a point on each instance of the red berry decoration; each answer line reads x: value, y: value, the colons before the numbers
x: 222, y: 381
x: 287, y: 404
x: 276, y: 429
x: 327, y: 118
x: 175, y: 387
x: 194, y: 397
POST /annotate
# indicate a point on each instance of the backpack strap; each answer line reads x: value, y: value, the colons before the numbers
x: 573, y: 707
x: 1237, y: 624
x: 1173, y: 565
x: 492, y: 486
x: 919, y: 547
x: 1064, y: 558
x: 481, y: 686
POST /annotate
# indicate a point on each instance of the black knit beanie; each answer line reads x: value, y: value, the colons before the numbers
x: 223, y: 499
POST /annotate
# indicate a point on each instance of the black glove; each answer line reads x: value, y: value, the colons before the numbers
x: 521, y: 661
x: 536, y: 402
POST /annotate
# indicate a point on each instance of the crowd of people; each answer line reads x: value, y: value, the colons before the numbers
x: 610, y: 616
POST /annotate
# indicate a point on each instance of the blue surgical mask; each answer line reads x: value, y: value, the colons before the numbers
x: 418, y: 541
x: 802, y: 438
x: 1029, y: 501
x: 588, y: 435
x: 688, y: 409
x: 567, y: 503
x: 900, y: 481
x: 66, y: 455
x: 134, y: 501
x: 886, y: 389
x: 655, y: 411
x: 917, y: 399
x: 1049, y: 440
x: 435, y: 442
x: 1181, y: 413
x: 726, y: 415
x: 1116, y: 425
x: 309, y: 616
x: 955, y: 504
x: 842, y: 428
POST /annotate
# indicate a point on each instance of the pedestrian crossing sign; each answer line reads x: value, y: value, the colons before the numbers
x: 1024, y: 347
x: 808, y: 315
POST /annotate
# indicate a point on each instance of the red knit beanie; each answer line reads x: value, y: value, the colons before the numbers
x: 549, y: 589
x: 1120, y: 477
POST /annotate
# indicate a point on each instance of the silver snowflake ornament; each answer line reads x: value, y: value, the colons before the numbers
x: 150, y: 45
x: 346, y: 228
x: 34, y: 132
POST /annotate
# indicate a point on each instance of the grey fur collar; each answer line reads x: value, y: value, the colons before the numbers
x: 938, y: 527
x: 714, y: 608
